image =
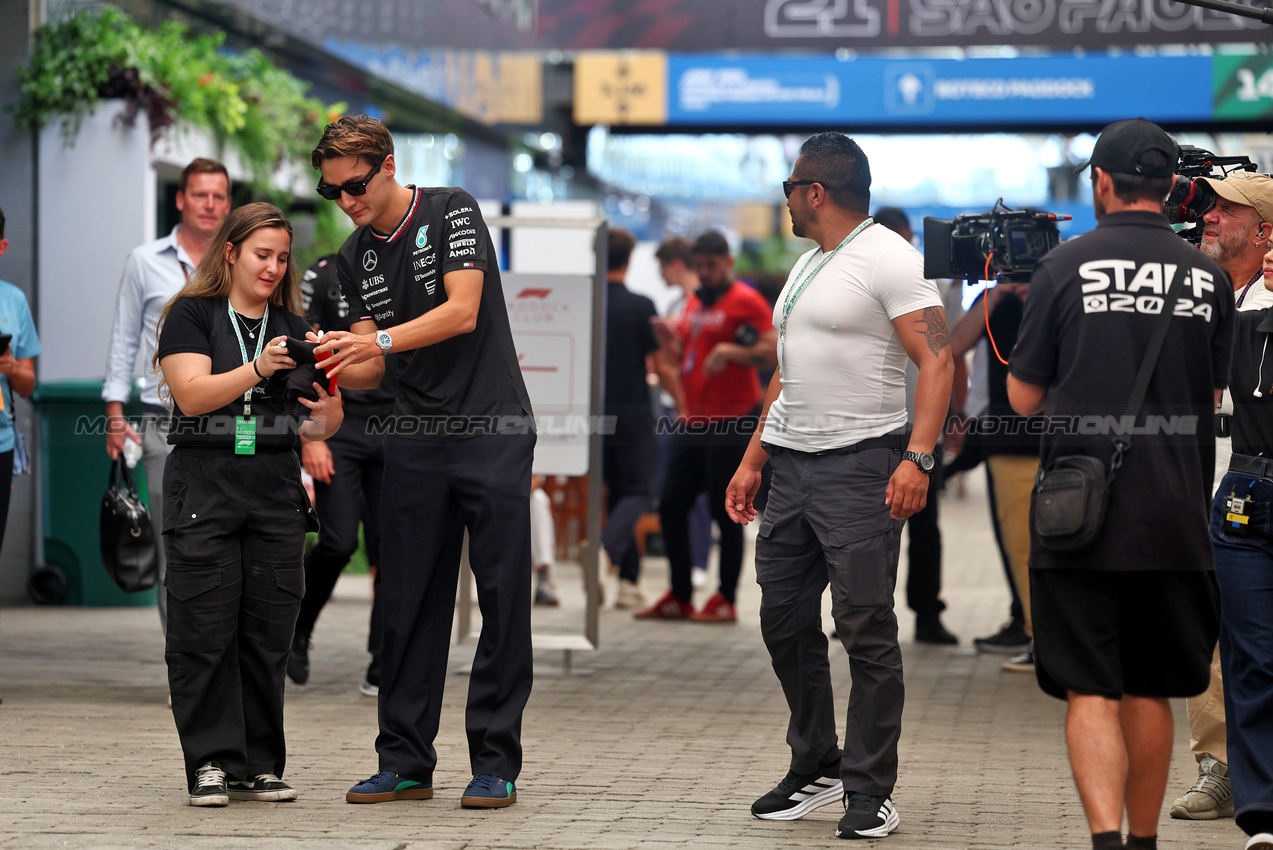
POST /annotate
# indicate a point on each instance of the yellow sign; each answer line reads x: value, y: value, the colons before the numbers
x: 621, y: 88
x: 496, y: 88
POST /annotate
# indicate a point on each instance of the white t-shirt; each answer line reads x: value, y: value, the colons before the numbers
x: 843, y: 365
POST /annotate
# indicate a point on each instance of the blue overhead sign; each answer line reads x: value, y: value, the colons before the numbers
x: 824, y: 91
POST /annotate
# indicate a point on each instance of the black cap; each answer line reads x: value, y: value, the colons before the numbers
x: 1122, y: 145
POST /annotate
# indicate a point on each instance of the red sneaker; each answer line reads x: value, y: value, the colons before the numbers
x: 667, y: 608
x: 716, y: 610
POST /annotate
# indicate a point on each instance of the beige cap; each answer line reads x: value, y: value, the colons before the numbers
x: 1248, y: 189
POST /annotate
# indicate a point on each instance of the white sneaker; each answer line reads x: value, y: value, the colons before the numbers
x: 699, y: 577
x: 630, y: 595
x: 1263, y: 841
x: 367, y: 689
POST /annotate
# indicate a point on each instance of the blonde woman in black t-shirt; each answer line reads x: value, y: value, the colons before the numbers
x: 235, y: 512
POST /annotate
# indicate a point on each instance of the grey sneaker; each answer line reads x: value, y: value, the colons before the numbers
x: 630, y: 595
x: 1210, y: 797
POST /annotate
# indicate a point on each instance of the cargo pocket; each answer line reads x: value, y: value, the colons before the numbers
x: 285, y: 605
x: 863, y: 561
x: 195, y: 607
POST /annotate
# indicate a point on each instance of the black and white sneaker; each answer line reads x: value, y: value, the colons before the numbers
x: 799, y: 794
x: 265, y: 788
x: 209, y: 786
x: 867, y: 817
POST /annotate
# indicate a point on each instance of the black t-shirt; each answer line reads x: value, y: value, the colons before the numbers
x: 326, y: 309
x: 1252, y: 370
x: 463, y: 386
x: 629, y: 340
x: 1092, y: 307
x: 202, y: 326
x: 1002, y: 431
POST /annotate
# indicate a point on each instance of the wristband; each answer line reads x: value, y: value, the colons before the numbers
x: 257, y: 371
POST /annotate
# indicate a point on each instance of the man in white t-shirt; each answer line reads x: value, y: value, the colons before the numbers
x: 847, y: 470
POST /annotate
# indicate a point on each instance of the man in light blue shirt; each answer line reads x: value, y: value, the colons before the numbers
x: 153, y: 274
x: 17, y: 374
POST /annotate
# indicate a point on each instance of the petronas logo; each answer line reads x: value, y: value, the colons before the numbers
x: 422, y: 236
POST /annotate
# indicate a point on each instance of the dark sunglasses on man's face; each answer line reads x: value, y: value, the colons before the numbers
x: 353, y: 187
x: 788, y: 186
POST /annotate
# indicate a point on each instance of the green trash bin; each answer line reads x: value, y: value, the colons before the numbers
x: 74, y: 468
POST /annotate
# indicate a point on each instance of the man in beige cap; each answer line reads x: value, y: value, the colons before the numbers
x: 1237, y: 233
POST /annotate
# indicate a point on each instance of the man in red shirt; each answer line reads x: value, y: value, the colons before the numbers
x: 724, y: 336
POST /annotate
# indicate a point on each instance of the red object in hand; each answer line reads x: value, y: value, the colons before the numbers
x: 332, y: 380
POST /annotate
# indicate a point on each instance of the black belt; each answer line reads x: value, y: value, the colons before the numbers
x: 897, y: 441
x: 1260, y: 467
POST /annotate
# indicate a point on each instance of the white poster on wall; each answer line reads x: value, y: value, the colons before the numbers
x: 551, y: 320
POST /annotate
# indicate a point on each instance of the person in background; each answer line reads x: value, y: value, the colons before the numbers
x: 353, y: 458
x: 1243, y: 544
x: 235, y: 511
x: 17, y: 375
x: 543, y: 543
x: 1236, y: 234
x: 923, y: 554
x: 675, y: 256
x: 153, y: 274
x: 725, y: 336
x: 629, y: 454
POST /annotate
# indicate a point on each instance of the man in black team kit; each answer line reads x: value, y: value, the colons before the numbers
x: 421, y: 275
x: 347, y: 469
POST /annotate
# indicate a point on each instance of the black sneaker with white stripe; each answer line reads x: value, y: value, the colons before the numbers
x: 799, y: 794
x: 209, y: 786
x: 264, y: 788
x: 867, y: 817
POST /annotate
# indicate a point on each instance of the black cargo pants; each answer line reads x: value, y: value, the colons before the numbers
x: 234, y: 532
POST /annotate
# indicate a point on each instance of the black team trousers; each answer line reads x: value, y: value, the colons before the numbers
x: 234, y: 531
x: 433, y: 491
x: 352, y: 495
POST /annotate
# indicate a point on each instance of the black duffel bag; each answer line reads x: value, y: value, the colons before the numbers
x: 128, y: 540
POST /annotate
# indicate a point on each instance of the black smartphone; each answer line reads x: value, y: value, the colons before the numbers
x: 5, y: 339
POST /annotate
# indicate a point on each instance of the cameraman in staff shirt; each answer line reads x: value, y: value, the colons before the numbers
x: 1128, y: 622
x: 1236, y: 234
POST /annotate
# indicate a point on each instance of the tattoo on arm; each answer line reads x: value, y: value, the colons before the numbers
x: 934, y: 329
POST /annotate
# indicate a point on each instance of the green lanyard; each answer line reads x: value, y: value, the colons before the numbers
x: 234, y: 323
x: 799, y: 286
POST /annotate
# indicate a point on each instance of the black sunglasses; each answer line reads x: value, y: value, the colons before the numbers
x: 788, y: 186
x: 354, y: 187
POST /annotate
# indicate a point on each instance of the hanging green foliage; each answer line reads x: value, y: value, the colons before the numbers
x: 178, y: 78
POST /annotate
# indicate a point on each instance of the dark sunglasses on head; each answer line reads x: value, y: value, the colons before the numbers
x: 788, y: 186
x: 353, y: 187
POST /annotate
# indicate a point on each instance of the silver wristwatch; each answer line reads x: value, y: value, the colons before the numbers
x: 384, y: 341
x: 923, y: 460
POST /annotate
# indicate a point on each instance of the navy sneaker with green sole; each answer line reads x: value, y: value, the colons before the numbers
x: 387, y: 786
x: 488, y: 792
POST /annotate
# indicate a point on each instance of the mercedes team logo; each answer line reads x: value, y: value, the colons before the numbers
x: 369, y: 261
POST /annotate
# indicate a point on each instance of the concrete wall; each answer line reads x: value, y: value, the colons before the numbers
x: 97, y: 202
x: 17, y: 198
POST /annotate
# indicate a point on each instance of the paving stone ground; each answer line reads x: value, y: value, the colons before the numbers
x: 664, y: 744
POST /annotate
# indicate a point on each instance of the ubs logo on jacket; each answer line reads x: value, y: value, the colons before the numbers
x: 1122, y: 286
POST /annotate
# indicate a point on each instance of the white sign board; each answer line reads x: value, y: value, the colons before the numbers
x: 551, y: 319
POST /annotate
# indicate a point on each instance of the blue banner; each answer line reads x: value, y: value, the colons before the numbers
x: 824, y: 91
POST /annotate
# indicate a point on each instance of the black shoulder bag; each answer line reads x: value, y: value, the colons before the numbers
x: 1072, y: 493
x: 127, y: 538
